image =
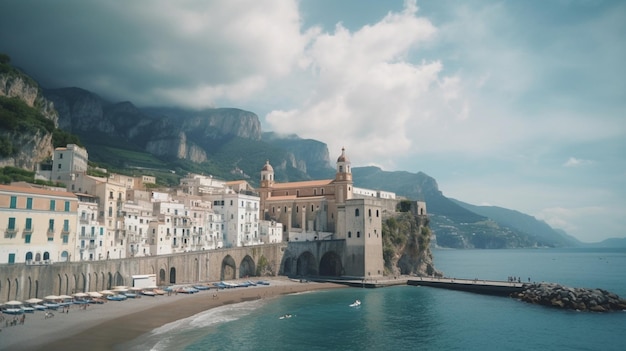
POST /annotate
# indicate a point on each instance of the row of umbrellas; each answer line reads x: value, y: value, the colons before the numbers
x: 96, y: 294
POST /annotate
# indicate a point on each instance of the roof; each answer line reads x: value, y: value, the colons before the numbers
x: 36, y: 191
x: 303, y: 184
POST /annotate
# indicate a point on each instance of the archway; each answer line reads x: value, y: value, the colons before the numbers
x: 330, y: 264
x: 118, y: 280
x: 161, y: 276
x: 247, y: 267
x: 64, y: 256
x: 172, y: 275
x: 288, y: 266
x: 229, y: 268
x: 29, y: 256
x: 46, y: 256
x: 306, y: 264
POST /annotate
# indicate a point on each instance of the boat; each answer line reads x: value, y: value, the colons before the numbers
x: 117, y: 297
x: 284, y: 316
x: 200, y: 287
x: 148, y: 293
x: 263, y: 282
x: 28, y: 309
x: 52, y: 305
x: 39, y: 307
x: 130, y: 295
x: 12, y: 311
x: 356, y: 303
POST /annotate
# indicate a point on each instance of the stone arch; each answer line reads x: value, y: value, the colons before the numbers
x: 29, y: 256
x: 60, y: 282
x: 103, y: 281
x: 288, y: 266
x: 66, y: 285
x: 229, y: 268
x: 247, y: 268
x: 46, y: 255
x: 29, y: 287
x: 330, y: 264
x: 306, y: 264
x: 36, y: 288
x: 8, y: 289
x: 109, y: 282
x: 37, y: 257
x: 162, y: 276
x: 17, y: 289
x: 172, y: 275
x: 119, y: 280
x: 65, y: 256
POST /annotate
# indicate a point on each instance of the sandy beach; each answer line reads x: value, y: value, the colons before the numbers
x: 102, y: 327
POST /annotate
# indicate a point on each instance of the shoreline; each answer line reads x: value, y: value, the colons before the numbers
x: 107, y: 326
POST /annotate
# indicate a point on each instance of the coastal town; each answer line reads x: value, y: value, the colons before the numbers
x: 114, y: 217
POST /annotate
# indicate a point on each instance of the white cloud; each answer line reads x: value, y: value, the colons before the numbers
x: 576, y: 162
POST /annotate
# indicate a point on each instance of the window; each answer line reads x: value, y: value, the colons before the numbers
x: 66, y: 225
x: 376, y: 213
x: 358, y: 234
x: 67, y: 206
x: 51, y: 225
x: 13, y: 202
x: 29, y: 203
x: 369, y: 212
x: 59, y: 167
x: 29, y: 224
x: 65, y: 239
x: 60, y: 156
x: 356, y: 212
x: 12, y: 223
x: 349, y: 234
x: 52, y: 205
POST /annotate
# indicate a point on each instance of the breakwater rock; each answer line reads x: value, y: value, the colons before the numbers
x: 581, y: 299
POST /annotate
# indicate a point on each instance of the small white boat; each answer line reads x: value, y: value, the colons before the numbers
x: 356, y: 303
x: 285, y: 316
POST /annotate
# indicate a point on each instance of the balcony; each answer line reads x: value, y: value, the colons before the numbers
x: 65, y: 231
x: 50, y: 232
x: 87, y: 236
x: 10, y: 232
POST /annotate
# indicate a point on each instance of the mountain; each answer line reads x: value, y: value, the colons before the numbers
x: 225, y: 142
x: 28, y: 121
x: 616, y: 243
x: 540, y: 230
x: 459, y: 225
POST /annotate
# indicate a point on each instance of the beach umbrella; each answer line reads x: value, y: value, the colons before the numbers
x: 120, y: 287
x: 13, y: 303
x: 107, y: 292
x: 136, y: 288
x: 64, y: 297
x: 94, y: 294
x: 34, y: 300
x: 51, y: 297
x: 80, y: 294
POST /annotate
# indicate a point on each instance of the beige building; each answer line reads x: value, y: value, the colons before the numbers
x: 39, y: 225
x: 326, y: 210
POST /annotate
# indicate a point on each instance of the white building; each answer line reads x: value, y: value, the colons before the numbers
x: 91, y: 233
x: 241, y: 217
x: 67, y: 161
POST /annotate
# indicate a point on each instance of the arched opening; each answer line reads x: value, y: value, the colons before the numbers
x: 37, y: 257
x: 330, y: 265
x: 118, y: 279
x: 64, y: 256
x: 288, y: 266
x: 228, y: 268
x: 161, y: 276
x: 172, y: 275
x: 306, y: 264
x: 29, y: 256
x: 247, y: 267
x: 46, y: 256
x: 109, y: 283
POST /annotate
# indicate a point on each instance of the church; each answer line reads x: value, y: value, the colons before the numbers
x: 327, y: 210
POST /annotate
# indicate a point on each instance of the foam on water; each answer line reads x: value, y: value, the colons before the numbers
x: 184, y: 331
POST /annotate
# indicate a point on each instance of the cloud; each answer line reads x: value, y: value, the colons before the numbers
x: 575, y: 162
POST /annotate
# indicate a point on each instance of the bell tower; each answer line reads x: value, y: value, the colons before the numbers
x: 343, y: 178
x: 267, y: 175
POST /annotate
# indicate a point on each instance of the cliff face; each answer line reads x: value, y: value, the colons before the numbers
x: 406, y: 245
x: 28, y: 146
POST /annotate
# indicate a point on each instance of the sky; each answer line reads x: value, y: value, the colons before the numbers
x: 518, y: 104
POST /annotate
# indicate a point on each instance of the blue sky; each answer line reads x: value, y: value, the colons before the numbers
x: 519, y: 104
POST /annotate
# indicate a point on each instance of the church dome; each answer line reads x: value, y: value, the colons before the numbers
x: 343, y: 157
x: 267, y: 167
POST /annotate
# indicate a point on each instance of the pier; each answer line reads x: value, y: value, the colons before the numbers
x: 479, y: 286
x: 488, y: 287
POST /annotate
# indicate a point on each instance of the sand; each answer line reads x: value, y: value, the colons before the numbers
x: 102, y: 327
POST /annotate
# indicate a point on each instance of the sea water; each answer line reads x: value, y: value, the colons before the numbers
x: 420, y: 318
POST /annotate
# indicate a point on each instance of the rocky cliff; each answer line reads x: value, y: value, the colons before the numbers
x: 28, y: 120
x: 406, y: 245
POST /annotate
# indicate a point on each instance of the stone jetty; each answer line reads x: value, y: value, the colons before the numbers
x: 581, y: 299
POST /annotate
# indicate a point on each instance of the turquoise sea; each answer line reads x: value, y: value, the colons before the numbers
x: 421, y: 318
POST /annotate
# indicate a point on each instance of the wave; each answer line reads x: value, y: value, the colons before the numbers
x: 176, y: 335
